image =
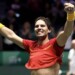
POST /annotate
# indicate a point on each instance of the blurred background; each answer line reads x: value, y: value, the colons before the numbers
x: 19, y: 15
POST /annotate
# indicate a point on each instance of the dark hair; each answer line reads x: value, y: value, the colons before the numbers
x: 46, y: 20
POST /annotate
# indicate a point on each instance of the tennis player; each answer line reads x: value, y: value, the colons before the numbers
x: 45, y: 55
x: 71, y: 59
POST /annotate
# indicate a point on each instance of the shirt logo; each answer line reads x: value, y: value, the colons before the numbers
x: 46, y: 48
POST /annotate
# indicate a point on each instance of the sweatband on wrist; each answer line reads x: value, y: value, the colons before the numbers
x: 70, y: 16
x: 1, y: 25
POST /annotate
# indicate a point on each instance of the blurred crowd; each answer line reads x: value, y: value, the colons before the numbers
x: 20, y: 15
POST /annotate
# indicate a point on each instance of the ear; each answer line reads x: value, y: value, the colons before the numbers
x: 49, y: 31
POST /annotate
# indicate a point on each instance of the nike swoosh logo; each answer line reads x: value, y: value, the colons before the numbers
x: 44, y: 48
x: 47, y: 47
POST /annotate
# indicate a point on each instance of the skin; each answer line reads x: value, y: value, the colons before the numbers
x: 53, y: 70
x: 41, y: 31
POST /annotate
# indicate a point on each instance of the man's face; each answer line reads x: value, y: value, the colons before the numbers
x: 41, y: 28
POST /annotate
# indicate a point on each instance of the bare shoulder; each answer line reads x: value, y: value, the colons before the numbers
x: 73, y: 41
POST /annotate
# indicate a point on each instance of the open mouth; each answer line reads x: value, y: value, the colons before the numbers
x: 39, y: 32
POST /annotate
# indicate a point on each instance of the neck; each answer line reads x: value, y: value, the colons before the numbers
x: 43, y: 40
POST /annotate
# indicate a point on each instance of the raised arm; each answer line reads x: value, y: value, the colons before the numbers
x: 8, y: 33
x: 68, y: 28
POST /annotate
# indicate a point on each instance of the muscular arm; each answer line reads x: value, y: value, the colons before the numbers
x: 8, y: 33
x: 63, y: 36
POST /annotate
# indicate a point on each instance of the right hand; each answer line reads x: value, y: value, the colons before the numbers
x: 69, y: 7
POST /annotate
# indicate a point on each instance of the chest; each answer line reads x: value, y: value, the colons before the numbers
x: 42, y: 51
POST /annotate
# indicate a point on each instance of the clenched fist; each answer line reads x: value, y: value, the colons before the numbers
x: 69, y: 7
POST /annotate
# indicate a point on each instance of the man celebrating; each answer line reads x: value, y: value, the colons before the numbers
x: 45, y: 55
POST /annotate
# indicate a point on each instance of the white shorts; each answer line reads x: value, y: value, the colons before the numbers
x: 72, y: 69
